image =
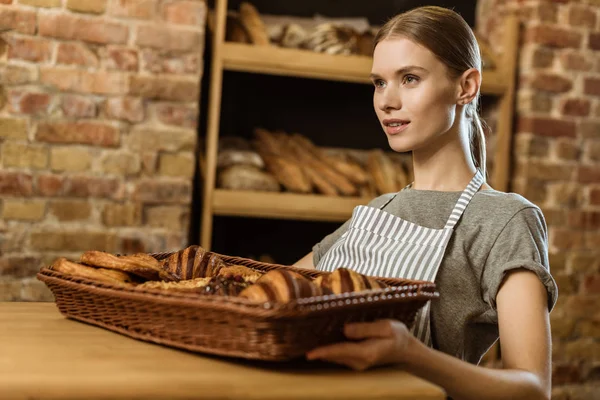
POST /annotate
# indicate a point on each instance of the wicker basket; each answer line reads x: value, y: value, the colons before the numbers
x: 232, y: 326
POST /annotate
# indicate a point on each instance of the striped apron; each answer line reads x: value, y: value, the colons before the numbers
x: 378, y: 243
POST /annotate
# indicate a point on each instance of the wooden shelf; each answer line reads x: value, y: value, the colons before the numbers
x: 274, y: 60
x: 284, y: 205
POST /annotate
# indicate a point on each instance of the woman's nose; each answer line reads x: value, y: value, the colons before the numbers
x: 390, y: 100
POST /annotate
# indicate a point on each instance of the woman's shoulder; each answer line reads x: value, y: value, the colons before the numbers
x: 504, y: 204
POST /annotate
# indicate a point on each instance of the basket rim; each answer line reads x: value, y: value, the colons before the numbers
x: 414, y: 292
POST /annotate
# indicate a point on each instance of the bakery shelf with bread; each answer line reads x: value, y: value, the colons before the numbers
x: 201, y: 301
x: 264, y: 42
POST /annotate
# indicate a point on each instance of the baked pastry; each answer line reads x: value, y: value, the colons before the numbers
x: 246, y: 274
x: 181, y: 285
x: 344, y: 280
x: 142, y: 265
x: 235, y: 30
x: 332, y: 39
x: 247, y: 177
x: 281, y: 286
x: 250, y: 19
x: 97, y: 274
x: 383, y: 171
x: 224, y: 286
x: 193, y: 262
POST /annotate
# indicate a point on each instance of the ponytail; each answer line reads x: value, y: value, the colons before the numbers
x: 478, y: 149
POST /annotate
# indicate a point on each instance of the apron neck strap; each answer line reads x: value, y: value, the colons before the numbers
x: 465, y: 199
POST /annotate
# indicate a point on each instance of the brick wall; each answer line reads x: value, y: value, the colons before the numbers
x: 98, y: 114
x: 557, y: 166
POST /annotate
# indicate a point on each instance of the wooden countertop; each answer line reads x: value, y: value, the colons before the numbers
x: 44, y: 355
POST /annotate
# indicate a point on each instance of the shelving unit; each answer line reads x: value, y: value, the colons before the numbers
x: 272, y: 60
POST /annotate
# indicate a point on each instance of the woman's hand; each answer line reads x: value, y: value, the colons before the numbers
x: 373, y: 343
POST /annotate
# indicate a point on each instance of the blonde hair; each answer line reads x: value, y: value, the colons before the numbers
x: 446, y: 34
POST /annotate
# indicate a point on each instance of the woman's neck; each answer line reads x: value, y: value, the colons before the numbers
x: 445, y: 166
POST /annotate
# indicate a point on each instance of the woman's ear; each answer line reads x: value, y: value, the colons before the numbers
x: 468, y: 86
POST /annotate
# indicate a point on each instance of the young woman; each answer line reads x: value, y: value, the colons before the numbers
x: 485, y: 249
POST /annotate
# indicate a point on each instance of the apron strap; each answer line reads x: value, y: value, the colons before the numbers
x: 464, y: 200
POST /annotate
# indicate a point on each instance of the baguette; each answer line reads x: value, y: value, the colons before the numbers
x: 250, y: 19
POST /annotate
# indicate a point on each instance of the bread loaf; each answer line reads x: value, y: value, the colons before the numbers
x: 281, y: 286
x: 250, y: 19
x: 247, y: 177
x: 229, y: 157
x: 383, y: 171
x: 344, y: 280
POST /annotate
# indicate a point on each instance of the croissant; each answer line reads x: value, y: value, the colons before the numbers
x: 344, y: 280
x: 281, y: 286
x: 193, y: 262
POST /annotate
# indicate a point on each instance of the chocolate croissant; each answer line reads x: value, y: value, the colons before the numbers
x: 281, y: 286
x: 344, y: 280
x: 193, y: 262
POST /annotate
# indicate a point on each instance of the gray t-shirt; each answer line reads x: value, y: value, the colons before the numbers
x: 498, y: 232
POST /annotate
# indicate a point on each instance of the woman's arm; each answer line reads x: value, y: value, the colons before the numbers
x: 305, y: 262
x: 524, y: 335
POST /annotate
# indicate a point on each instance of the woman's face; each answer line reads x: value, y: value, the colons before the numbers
x: 415, y: 100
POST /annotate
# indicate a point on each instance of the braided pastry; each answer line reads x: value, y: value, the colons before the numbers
x: 332, y: 39
x: 193, y: 262
x: 142, y: 265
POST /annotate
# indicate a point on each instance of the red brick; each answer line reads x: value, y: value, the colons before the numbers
x: 164, y: 88
x: 590, y: 284
x: 5, y: 1
x: 576, y: 107
x: 74, y: 106
x: 567, y: 149
x: 566, y: 239
x: 29, y: 49
x: 542, y: 57
x: 73, y: 27
x: 15, y: 183
x: 58, y: 240
x: 89, y: 186
x: 19, y: 266
x: 547, y: 126
x: 71, y: 210
x: 592, y: 240
x: 74, y: 80
x: 551, y: 83
x: 50, y: 185
x: 584, y: 262
x: 594, y: 41
x: 548, y: 171
x: 595, y: 196
x: 41, y: 3
x: 185, y: 12
x: 87, y: 6
x: 163, y: 191
x: 553, y: 37
x: 139, y: 9
x: 582, y: 17
x: 592, y: 86
x: 171, y: 39
x: 142, y: 243
x: 121, y: 59
x: 589, y: 129
x: 22, y: 21
x: 584, y: 219
x: 127, y: 109
x: 78, y: 132
x: 547, y: 12
x: 149, y: 163
x: 157, y: 61
x: 143, y: 139
x: 588, y: 174
x: 170, y: 114
x: 592, y: 150
x: 576, y: 61
x: 22, y: 102
x: 76, y: 54
x: 17, y: 74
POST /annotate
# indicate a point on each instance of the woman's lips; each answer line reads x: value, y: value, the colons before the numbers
x: 395, y: 128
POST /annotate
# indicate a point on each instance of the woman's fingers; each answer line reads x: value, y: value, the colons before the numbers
x: 350, y: 354
x: 365, y: 330
x: 332, y: 350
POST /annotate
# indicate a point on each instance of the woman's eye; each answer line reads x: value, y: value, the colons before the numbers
x: 410, y: 79
x: 379, y: 83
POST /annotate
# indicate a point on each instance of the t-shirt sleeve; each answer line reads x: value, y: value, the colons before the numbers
x: 324, y: 245
x: 523, y: 243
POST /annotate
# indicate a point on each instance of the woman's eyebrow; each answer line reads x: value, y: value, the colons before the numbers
x: 401, y: 71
